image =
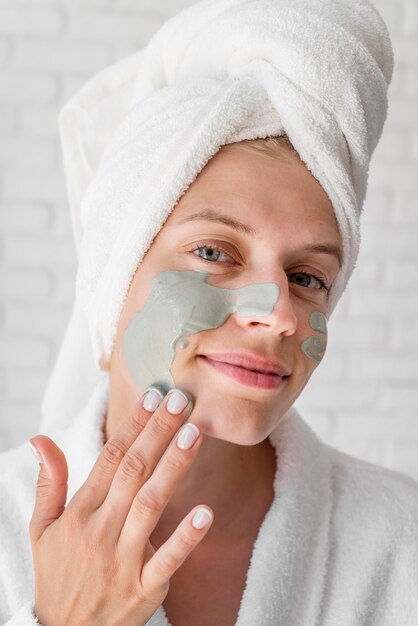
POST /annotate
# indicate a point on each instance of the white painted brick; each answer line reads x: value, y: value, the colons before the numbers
x: 400, y: 397
x: 352, y: 334
x: 37, y: 121
x: 26, y: 20
x: 318, y: 419
x: 24, y: 352
x: 164, y: 8
x: 92, y: 3
x: 30, y: 87
x: 405, y: 333
x: 46, y: 320
x: 7, y: 119
x: 411, y: 81
x: 25, y: 286
x: 401, y: 113
x: 5, y: 438
x: 382, y: 366
x: 390, y: 239
x: 331, y: 369
x: 103, y: 26
x: 410, y: 17
x: 378, y: 204
x: 391, y: 13
x: 36, y: 153
x: 392, y: 144
x: 407, y: 208
x: 402, y: 177
x: 42, y: 252
x: 405, y: 458
x: 69, y: 85
x: 125, y: 48
x: 402, y: 272
x: 414, y: 145
x: 64, y: 289
x: 363, y: 424
x: 61, y: 56
x: 373, y: 450
x: 27, y: 384
x: 5, y: 51
x: 27, y: 217
x: 44, y: 185
x: 405, y: 48
x: 24, y: 417
x: 345, y: 395
x: 382, y: 303
x: 3, y: 383
x: 368, y: 271
x: 62, y: 226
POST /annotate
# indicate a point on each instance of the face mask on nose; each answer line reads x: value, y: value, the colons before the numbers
x: 181, y: 304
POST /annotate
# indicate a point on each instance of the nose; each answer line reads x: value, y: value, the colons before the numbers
x: 281, y: 321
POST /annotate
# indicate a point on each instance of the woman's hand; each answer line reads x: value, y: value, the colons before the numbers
x: 93, y: 561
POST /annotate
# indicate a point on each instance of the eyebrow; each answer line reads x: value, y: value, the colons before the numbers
x: 210, y: 215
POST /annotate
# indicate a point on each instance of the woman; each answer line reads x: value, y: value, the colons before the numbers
x: 245, y: 268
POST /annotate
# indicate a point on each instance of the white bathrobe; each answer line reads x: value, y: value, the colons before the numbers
x: 338, y: 546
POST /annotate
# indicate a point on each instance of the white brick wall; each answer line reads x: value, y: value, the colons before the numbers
x: 364, y: 397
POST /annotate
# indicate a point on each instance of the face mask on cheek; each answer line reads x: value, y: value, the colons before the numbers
x: 181, y: 304
x: 314, y: 347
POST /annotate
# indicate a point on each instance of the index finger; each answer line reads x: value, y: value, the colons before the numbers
x: 98, y: 482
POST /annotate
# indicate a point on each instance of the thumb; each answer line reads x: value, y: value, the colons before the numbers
x: 51, y: 488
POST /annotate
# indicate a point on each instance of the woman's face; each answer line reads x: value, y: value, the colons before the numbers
x: 293, y: 242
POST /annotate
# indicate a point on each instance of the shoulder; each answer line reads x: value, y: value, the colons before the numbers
x: 359, y: 474
x: 375, y: 497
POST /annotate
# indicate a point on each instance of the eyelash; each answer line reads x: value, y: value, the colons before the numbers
x: 205, y: 244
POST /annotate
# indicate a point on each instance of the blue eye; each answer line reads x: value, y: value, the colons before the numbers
x: 213, y: 256
x: 307, y: 283
x: 304, y: 279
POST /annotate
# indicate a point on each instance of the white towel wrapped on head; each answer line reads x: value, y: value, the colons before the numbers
x: 139, y: 132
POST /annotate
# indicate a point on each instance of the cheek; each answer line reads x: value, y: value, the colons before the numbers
x: 314, y: 348
x: 182, y: 304
x: 314, y: 343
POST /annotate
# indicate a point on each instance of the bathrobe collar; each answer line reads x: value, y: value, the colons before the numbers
x: 288, y: 562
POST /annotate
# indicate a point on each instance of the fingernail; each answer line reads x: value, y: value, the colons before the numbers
x: 201, y: 518
x: 177, y: 401
x: 35, y: 451
x: 187, y: 436
x: 152, y: 399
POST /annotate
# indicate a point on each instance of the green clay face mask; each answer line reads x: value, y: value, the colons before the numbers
x: 181, y: 304
x: 314, y: 347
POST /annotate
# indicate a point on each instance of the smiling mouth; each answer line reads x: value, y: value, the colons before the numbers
x: 245, y: 376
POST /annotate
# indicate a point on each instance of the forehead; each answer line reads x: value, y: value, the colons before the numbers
x: 268, y: 191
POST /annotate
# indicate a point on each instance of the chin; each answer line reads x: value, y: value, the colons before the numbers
x: 239, y: 421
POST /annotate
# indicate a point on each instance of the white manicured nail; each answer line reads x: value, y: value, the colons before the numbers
x: 177, y: 401
x: 36, y: 454
x: 152, y: 400
x: 187, y: 436
x: 201, y: 518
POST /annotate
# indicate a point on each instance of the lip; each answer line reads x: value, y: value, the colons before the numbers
x: 250, y: 361
x: 243, y: 375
